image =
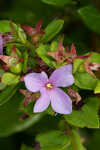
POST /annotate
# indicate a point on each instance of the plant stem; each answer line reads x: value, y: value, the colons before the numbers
x: 69, y: 131
x: 29, y: 45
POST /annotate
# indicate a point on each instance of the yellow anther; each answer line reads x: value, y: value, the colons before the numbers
x: 49, y: 85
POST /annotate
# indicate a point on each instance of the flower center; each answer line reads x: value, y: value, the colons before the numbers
x: 49, y: 85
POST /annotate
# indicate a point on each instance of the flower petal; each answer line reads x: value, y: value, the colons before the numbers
x: 34, y: 81
x: 60, y: 101
x: 1, y: 45
x: 62, y: 77
x: 42, y: 103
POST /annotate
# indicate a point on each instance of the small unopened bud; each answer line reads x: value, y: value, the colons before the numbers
x: 22, y: 78
x: 29, y: 30
x: 94, y: 66
x: 33, y: 31
x: 75, y: 95
x: 10, y: 61
x: 35, y: 39
x: 29, y: 96
x: 17, y: 68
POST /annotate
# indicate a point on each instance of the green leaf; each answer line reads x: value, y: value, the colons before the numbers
x: 28, y: 109
x: 1, y: 72
x: 53, y: 140
x: 25, y: 62
x: 9, y: 78
x: 57, y: 2
x: 10, y: 114
x: 9, y: 49
x: 2, y: 86
x: 77, y: 63
x: 25, y: 147
x: 42, y: 53
x: 85, y: 81
x: 5, y: 26
x: 7, y: 94
x: 94, y: 141
x: 58, y: 140
x: 91, y: 17
x: 97, y: 89
x: 76, y: 140
x: 54, y: 46
x: 32, y: 63
x: 52, y: 30
x: 87, y: 116
x: 21, y: 35
x: 95, y: 57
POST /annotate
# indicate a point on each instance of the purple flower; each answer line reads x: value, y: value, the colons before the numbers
x: 60, y: 101
x: 1, y: 44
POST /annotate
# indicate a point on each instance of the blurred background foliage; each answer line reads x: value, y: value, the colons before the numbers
x: 81, y: 27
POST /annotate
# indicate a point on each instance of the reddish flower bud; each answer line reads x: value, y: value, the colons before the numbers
x: 29, y: 96
x: 38, y: 27
x: 75, y: 95
x: 73, y: 50
x: 22, y: 78
x: 94, y: 66
x: 35, y: 39
x: 34, y: 32
x: 60, y: 54
x: 29, y: 30
x: 90, y: 67
x: 9, y: 60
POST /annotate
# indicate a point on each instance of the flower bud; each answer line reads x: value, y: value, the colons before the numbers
x: 29, y: 30
x: 94, y: 66
x: 10, y: 61
x: 10, y: 78
x: 16, y: 69
x: 35, y: 39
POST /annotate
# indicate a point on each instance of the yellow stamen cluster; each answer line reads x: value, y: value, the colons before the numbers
x: 49, y: 85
